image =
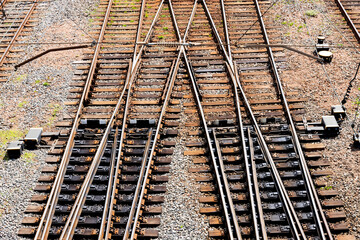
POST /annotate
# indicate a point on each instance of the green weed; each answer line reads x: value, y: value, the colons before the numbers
x: 22, y: 104
x: 311, y: 13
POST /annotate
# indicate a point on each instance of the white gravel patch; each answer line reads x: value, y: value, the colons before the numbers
x: 34, y: 96
x: 17, y: 180
x: 181, y: 218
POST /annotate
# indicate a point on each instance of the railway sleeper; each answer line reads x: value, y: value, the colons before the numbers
x: 69, y: 198
x: 143, y: 233
x: 137, y: 160
x: 153, y: 178
x: 216, y: 221
x: 54, y: 231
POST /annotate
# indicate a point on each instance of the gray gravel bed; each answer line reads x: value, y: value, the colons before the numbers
x: 307, y: 77
x: 181, y: 218
x: 17, y: 180
x: 34, y: 96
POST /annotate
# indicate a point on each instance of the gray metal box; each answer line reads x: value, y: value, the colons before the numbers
x: 338, y: 111
x: 33, y: 137
x: 330, y: 125
x: 15, y: 148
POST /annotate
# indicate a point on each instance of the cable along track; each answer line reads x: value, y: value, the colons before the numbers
x: 111, y: 179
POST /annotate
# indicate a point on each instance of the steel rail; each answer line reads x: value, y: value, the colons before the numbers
x: 256, y: 187
x: 224, y: 197
x: 289, y: 209
x: 348, y: 20
x: 168, y: 89
x: 173, y: 17
x: 72, y: 220
x: 227, y: 188
x: 167, y: 81
x: 17, y: 33
x: 170, y: 83
x: 198, y: 97
x: 150, y: 160
x: 320, y: 218
x: 139, y: 27
x: 147, y: 38
x: 147, y: 161
x: 192, y: 15
x: 217, y: 35
x: 113, y: 184
x: 110, y: 182
x: 138, y: 185
x: 97, y: 52
x: 291, y: 214
x: 134, y: 69
x: 43, y: 230
x: 256, y: 208
x: 226, y: 30
x: 71, y: 223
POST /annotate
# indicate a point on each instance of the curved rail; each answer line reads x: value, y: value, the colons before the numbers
x: 45, y: 223
x: 231, y: 222
x: 348, y: 19
x: 18, y: 31
x: 296, y: 227
x: 320, y: 218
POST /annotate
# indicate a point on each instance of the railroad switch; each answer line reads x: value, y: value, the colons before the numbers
x: 14, y: 149
x: 33, y: 138
x: 339, y: 112
x: 322, y: 49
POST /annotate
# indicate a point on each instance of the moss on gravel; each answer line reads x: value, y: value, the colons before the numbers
x: 7, y: 136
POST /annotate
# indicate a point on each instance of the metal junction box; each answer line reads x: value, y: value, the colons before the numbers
x: 331, y: 127
x: 338, y: 111
x: 33, y: 138
x: 14, y: 149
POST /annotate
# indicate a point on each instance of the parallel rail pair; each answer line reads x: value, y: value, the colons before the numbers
x: 152, y: 135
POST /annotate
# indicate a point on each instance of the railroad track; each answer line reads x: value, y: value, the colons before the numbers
x: 252, y: 156
x: 349, y: 10
x: 17, y: 19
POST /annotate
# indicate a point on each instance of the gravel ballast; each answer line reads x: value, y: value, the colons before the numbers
x: 324, y: 89
x: 34, y: 96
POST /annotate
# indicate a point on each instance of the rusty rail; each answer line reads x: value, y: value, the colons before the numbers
x: 2, y: 6
x: 140, y: 190
x: 320, y: 219
x: 348, y: 19
x: 294, y: 222
x: 71, y: 223
x: 17, y: 33
x: 46, y: 219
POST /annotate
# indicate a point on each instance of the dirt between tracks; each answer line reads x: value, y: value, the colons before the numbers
x: 301, y: 22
